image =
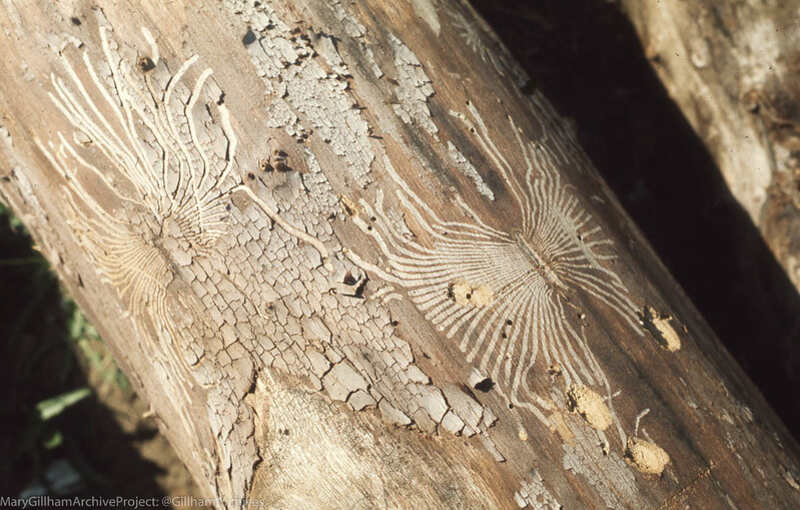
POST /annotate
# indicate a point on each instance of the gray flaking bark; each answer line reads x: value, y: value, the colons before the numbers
x: 413, y: 88
x: 533, y: 494
x: 607, y: 473
x: 467, y: 169
x: 358, y: 32
x: 297, y: 83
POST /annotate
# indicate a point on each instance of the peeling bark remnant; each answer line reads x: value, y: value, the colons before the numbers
x: 352, y: 265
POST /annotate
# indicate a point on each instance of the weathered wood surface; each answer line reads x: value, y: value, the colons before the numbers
x: 732, y: 68
x: 351, y: 265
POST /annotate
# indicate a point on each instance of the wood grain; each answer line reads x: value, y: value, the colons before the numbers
x: 352, y: 265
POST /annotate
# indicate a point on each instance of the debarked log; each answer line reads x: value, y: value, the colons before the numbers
x: 351, y: 264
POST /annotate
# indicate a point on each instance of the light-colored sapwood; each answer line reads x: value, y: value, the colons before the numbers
x: 352, y: 265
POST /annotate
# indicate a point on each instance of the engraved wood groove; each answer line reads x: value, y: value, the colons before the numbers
x: 169, y: 197
x: 531, y: 273
x: 164, y: 232
x: 158, y: 203
x: 280, y: 254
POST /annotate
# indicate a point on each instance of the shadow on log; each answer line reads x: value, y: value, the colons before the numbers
x: 587, y: 59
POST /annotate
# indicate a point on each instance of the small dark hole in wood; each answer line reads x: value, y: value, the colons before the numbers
x: 508, y: 322
x: 249, y: 38
x: 145, y: 64
x: 251, y: 176
x: 485, y: 386
x: 75, y: 21
x: 349, y: 279
x: 360, y: 289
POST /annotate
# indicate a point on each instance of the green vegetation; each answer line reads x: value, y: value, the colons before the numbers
x: 48, y: 356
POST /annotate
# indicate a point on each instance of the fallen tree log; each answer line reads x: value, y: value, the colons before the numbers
x: 350, y: 264
x: 732, y: 69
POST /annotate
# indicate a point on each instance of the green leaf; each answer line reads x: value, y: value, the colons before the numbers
x: 56, y: 405
x: 122, y: 381
x: 54, y: 441
x: 76, y: 324
x: 15, y: 223
x: 94, y: 358
x: 91, y: 332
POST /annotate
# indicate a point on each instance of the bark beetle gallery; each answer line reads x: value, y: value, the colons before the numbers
x: 443, y: 259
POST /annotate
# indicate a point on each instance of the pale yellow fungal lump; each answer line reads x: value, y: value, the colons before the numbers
x: 465, y: 294
x: 590, y: 405
x: 647, y: 457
